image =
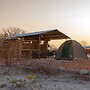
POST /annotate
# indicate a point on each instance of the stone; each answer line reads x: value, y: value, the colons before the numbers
x: 84, y: 72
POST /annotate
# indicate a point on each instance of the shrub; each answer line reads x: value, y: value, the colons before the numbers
x: 18, y: 83
x: 31, y: 77
x: 43, y: 67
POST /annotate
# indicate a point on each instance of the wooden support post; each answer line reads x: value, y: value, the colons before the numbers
x: 19, y: 48
x: 39, y: 47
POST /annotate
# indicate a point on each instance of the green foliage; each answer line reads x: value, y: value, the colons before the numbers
x: 30, y: 77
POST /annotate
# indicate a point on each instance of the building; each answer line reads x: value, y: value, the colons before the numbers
x: 87, y: 49
x: 28, y: 45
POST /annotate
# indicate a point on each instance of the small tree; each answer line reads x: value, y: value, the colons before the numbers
x: 5, y: 32
x: 84, y: 43
x: 10, y: 31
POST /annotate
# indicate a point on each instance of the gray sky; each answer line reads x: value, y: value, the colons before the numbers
x: 70, y: 16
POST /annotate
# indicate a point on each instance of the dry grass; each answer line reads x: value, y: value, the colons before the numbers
x: 52, y: 66
x: 43, y: 67
x: 55, y: 66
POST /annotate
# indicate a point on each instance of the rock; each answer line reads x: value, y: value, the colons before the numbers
x: 3, y: 85
x: 84, y: 72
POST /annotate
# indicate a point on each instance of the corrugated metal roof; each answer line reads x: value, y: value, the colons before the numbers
x: 86, y: 46
x: 30, y: 34
x: 34, y: 34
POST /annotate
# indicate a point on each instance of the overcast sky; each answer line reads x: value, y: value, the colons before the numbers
x: 69, y: 16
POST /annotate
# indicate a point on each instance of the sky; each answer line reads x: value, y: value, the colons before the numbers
x: 71, y: 17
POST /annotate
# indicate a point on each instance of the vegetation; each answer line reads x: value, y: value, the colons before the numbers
x: 43, y: 67
x: 18, y: 83
x: 30, y: 77
x: 84, y: 43
x: 5, y: 32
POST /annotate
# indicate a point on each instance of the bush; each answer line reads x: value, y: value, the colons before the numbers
x: 18, y: 83
x: 43, y: 67
x: 30, y: 77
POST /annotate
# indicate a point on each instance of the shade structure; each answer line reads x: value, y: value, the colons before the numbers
x: 44, y: 35
x: 70, y: 50
x: 31, y: 45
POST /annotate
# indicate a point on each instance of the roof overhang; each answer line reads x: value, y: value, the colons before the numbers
x: 49, y: 34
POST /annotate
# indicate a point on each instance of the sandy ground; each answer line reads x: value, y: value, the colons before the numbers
x: 38, y: 81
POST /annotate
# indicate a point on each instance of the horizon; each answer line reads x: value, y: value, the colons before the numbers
x: 71, y: 17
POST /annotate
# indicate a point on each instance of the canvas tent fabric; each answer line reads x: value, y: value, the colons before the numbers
x: 70, y: 50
